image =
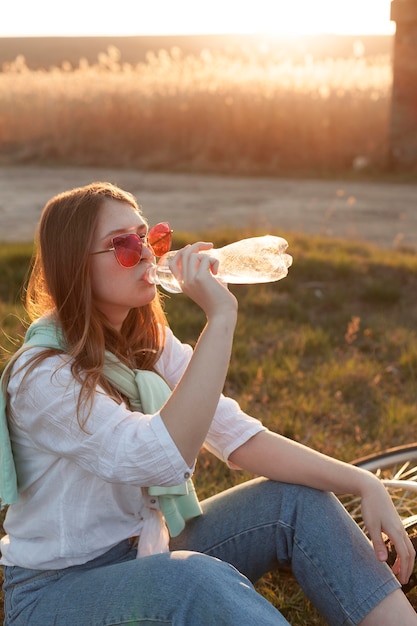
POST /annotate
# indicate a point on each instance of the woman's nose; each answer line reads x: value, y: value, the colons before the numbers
x: 147, y: 252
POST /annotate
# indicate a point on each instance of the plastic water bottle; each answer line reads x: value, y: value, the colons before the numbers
x: 249, y: 261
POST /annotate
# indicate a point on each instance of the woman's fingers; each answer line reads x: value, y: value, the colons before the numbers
x: 196, y: 274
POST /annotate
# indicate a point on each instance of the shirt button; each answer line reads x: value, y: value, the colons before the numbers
x: 152, y: 501
x: 187, y: 475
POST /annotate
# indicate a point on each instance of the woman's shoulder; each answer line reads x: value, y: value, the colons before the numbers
x: 36, y: 363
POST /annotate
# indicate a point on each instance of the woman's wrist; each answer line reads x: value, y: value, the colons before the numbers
x: 367, y: 482
x: 226, y: 319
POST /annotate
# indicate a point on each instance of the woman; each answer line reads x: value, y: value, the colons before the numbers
x: 107, y: 412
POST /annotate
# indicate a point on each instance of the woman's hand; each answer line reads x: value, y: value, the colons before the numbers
x: 278, y: 458
x: 196, y: 274
x: 380, y: 516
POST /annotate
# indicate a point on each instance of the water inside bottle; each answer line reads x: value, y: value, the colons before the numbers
x: 167, y: 280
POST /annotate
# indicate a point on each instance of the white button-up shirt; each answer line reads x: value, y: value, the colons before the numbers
x: 80, y: 491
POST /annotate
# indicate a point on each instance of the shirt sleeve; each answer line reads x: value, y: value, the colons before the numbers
x: 231, y: 427
x: 116, y: 444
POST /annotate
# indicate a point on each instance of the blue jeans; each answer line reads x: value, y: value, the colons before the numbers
x: 205, y: 580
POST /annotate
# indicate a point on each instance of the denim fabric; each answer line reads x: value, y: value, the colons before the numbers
x: 254, y: 527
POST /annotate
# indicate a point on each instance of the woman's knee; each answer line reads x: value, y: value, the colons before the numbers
x: 292, y: 499
x: 221, y: 593
x: 205, y: 571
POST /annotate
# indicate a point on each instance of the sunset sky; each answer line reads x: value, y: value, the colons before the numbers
x: 21, y: 18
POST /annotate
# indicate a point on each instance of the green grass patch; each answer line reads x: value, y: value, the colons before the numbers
x: 327, y: 356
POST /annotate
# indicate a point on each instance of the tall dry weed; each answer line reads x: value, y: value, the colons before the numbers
x: 256, y: 111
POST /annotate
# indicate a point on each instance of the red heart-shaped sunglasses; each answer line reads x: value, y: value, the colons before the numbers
x: 128, y: 248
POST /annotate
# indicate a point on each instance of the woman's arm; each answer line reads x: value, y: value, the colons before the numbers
x: 275, y: 457
x: 190, y: 409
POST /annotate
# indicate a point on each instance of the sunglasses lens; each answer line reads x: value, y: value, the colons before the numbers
x: 128, y: 250
x: 159, y: 238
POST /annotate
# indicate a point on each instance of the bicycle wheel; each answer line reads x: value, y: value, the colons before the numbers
x: 390, y: 458
x: 410, y: 524
x: 397, y: 468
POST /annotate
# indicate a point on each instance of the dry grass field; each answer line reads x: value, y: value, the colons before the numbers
x: 237, y: 106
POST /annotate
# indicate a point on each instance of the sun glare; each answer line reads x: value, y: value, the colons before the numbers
x: 159, y: 17
x: 301, y: 17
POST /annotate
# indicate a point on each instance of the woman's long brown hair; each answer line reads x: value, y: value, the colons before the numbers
x: 60, y: 284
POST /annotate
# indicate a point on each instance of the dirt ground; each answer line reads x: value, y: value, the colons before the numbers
x: 381, y: 213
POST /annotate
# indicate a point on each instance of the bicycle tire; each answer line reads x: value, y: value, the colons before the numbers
x: 397, y: 468
x: 388, y: 458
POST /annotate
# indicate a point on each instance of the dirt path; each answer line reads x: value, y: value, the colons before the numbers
x: 385, y: 214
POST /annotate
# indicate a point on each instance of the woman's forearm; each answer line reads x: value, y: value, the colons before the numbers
x: 191, y: 407
x: 278, y: 458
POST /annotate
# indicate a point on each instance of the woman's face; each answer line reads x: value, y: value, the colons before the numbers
x: 118, y: 289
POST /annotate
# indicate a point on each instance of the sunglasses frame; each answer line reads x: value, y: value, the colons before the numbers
x: 141, y: 242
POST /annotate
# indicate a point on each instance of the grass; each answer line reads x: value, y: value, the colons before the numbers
x: 327, y: 357
x: 241, y: 110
